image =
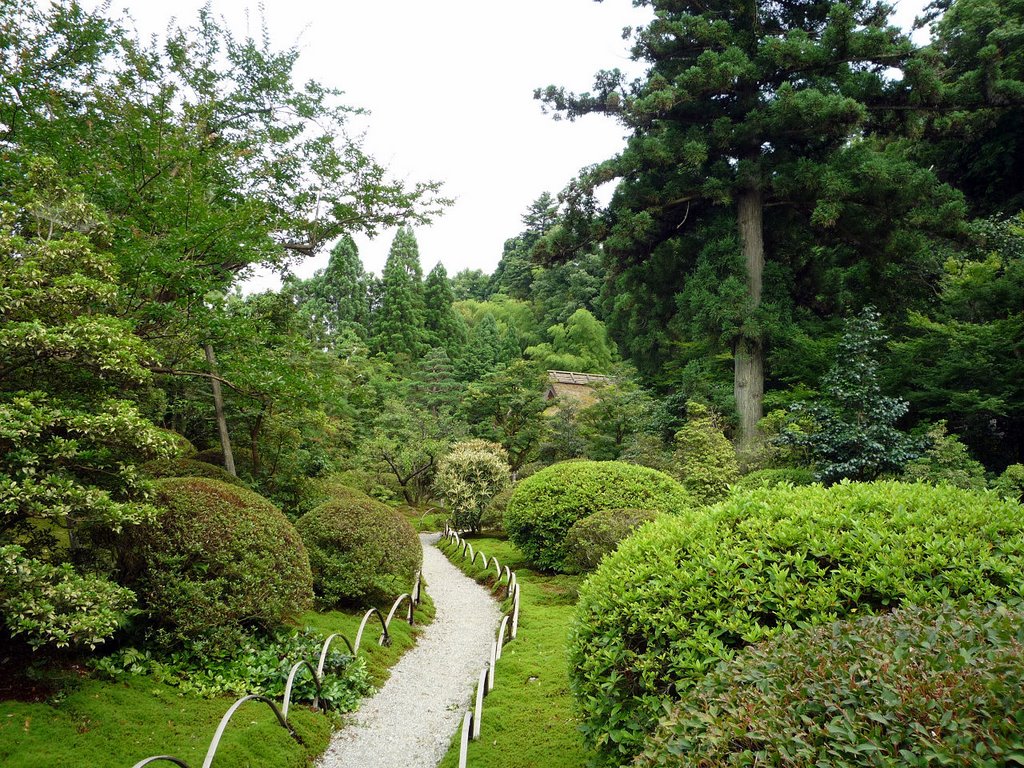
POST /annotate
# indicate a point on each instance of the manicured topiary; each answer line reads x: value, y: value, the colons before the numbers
x: 767, y: 478
x: 919, y: 686
x: 705, y: 461
x: 362, y: 552
x: 597, y: 535
x: 544, y: 506
x: 182, y: 445
x: 683, y: 593
x: 1010, y: 484
x: 187, y: 468
x: 493, y: 518
x: 219, y: 560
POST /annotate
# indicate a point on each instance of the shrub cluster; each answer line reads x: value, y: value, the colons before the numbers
x: 768, y: 478
x: 919, y: 686
x: 468, y: 477
x: 544, y: 506
x: 705, y: 460
x: 219, y: 560
x: 361, y: 552
x: 684, y: 593
x: 597, y: 535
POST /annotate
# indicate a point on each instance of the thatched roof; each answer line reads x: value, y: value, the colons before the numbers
x: 577, y: 387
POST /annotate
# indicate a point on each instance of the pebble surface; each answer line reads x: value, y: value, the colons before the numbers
x: 409, y: 722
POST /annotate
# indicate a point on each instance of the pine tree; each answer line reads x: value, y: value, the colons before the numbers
x: 745, y: 106
x: 399, y: 328
x: 444, y: 326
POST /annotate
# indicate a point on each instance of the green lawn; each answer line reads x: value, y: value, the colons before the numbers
x: 94, y: 723
x: 527, y: 718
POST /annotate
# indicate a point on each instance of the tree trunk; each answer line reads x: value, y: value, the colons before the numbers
x: 748, y: 379
x: 222, y: 423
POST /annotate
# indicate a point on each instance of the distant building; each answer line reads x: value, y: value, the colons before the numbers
x: 579, y: 388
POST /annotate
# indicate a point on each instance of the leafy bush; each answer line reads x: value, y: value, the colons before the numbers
x: 920, y: 686
x: 683, y: 593
x: 159, y: 468
x: 257, y: 663
x: 705, y: 460
x: 220, y: 559
x: 53, y: 605
x: 361, y: 552
x: 1010, y: 484
x: 468, y: 477
x: 493, y: 517
x: 768, y: 478
x: 597, y: 535
x: 945, y: 460
x: 544, y: 506
x: 183, y: 448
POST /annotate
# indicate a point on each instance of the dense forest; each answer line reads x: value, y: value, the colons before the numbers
x: 811, y: 269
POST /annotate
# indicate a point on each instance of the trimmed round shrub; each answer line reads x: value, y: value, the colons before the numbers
x: 544, y: 506
x: 597, y: 535
x: 683, y: 593
x: 183, y: 448
x: 362, y: 552
x: 219, y: 560
x: 1010, y: 484
x: 188, y: 468
x: 920, y: 686
x: 493, y: 517
x: 768, y: 478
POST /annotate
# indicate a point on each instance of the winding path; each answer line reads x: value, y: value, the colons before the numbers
x: 410, y: 721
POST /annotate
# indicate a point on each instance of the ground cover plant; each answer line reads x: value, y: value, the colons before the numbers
x: 686, y: 592
x: 544, y: 506
x: 919, y: 686
x: 528, y: 718
x: 362, y: 552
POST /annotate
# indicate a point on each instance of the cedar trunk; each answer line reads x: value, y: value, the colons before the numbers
x: 748, y: 379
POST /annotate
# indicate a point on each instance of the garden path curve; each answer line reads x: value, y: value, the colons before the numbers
x: 411, y: 719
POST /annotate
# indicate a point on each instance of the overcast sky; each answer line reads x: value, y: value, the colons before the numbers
x: 449, y: 84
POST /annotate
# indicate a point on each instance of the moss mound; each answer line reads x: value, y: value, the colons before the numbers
x: 920, y: 686
x: 682, y: 594
x: 219, y: 560
x: 159, y: 468
x: 545, y: 506
x: 362, y: 552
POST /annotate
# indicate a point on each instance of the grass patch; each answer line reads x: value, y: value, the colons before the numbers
x: 528, y: 718
x: 106, y: 724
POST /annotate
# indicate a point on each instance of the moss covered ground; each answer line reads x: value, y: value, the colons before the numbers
x: 105, y: 724
x: 528, y: 718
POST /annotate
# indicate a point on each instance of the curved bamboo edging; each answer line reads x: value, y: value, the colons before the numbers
x: 509, y: 628
x: 317, y: 673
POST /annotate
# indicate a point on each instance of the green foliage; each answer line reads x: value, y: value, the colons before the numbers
x: 362, y: 553
x: 471, y: 284
x: 399, y: 323
x: 335, y: 303
x: 596, y: 535
x: 545, y: 506
x: 468, y: 477
x: 507, y: 407
x: 256, y: 663
x: 919, y: 686
x: 622, y: 415
x: 219, y: 560
x: 52, y: 605
x: 1010, y: 484
x: 187, y: 468
x: 685, y: 592
x: 444, y: 327
x: 493, y: 517
x: 581, y: 344
x: 945, y: 460
x: 855, y: 433
x: 768, y: 478
x: 705, y: 460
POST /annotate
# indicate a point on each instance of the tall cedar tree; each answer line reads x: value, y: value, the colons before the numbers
x: 739, y: 101
x: 399, y: 328
x: 445, y: 327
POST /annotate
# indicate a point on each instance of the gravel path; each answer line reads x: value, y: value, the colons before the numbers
x: 410, y: 721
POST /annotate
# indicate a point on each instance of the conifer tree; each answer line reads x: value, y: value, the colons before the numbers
x: 746, y: 107
x: 399, y: 329
x: 484, y: 350
x: 444, y: 326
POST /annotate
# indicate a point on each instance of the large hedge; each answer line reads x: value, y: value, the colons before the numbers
x: 219, y: 560
x: 920, y: 686
x: 544, y: 506
x: 684, y: 593
x: 362, y: 552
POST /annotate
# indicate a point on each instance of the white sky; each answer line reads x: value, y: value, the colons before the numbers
x: 449, y: 84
